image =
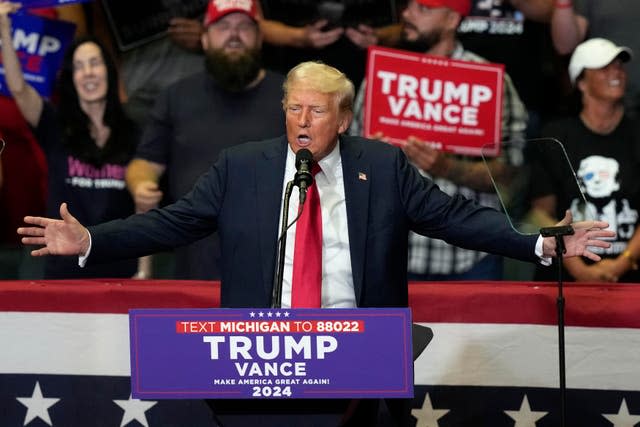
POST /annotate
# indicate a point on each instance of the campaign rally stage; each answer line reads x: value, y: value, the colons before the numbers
x: 455, y: 106
x: 271, y: 353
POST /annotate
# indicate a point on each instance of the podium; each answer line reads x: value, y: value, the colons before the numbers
x: 277, y: 366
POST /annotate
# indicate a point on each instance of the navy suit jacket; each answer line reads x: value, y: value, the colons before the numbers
x: 240, y: 197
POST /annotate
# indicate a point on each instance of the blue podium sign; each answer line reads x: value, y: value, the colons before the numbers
x: 271, y: 353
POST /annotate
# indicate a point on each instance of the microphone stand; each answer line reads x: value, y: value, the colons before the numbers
x: 302, y: 179
x: 276, y: 298
x: 558, y: 232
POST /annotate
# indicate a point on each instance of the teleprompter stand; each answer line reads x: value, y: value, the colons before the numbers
x: 559, y: 232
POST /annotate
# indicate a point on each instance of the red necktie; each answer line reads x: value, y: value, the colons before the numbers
x: 306, y: 282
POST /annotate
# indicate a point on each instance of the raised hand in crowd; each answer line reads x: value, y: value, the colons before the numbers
x: 425, y: 157
x: 364, y: 36
x: 7, y: 7
x: 317, y: 36
x: 142, y: 179
x: 314, y: 35
x: 28, y: 100
x: 471, y: 174
x: 146, y: 195
x: 186, y: 33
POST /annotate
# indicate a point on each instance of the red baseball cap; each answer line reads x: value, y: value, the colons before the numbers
x: 220, y: 8
x: 463, y: 7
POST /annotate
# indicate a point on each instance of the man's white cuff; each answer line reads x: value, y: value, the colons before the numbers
x: 544, y: 260
x: 82, y: 259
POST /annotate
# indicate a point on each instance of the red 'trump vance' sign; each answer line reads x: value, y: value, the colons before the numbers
x: 455, y: 106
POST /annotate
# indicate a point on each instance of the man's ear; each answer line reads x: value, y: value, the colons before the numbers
x: 453, y: 20
x: 345, y: 121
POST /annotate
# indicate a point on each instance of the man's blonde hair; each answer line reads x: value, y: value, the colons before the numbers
x: 318, y: 76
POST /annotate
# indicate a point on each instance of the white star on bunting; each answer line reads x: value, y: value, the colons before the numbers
x: 623, y: 418
x: 37, y: 406
x: 525, y: 417
x: 134, y: 409
x: 427, y: 416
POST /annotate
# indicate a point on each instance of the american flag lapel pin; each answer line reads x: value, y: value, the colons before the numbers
x: 362, y: 176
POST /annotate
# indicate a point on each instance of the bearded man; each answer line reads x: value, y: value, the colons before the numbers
x: 430, y: 27
x: 197, y: 117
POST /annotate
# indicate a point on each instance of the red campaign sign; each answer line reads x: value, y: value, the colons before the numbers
x: 455, y: 106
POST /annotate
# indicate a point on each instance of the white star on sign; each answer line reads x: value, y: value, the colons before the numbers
x: 134, y: 409
x: 427, y: 416
x: 525, y: 417
x: 623, y: 418
x: 37, y: 406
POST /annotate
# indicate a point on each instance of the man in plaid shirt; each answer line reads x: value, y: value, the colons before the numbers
x: 430, y: 26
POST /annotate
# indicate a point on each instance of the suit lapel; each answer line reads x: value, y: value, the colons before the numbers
x: 356, y: 170
x: 269, y: 177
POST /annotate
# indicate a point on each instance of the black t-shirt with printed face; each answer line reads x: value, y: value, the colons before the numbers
x: 607, y: 169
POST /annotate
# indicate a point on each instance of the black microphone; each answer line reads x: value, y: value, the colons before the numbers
x: 303, y: 178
